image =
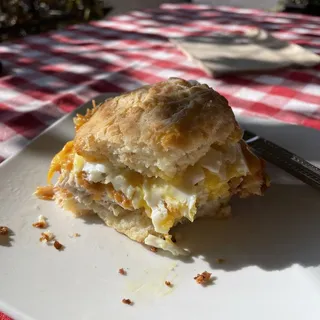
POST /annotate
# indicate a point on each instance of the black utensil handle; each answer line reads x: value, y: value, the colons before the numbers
x: 286, y: 160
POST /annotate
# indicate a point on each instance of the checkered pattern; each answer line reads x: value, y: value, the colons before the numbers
x: 51, y: 74
x: 4, y: 317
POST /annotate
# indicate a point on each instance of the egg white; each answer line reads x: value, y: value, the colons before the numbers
x: 167, y: 202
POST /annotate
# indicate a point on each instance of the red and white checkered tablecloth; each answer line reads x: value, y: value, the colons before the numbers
x: 51, y: 74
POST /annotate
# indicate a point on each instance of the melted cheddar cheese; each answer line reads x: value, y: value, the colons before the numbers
x: 79, y: 120
x: 63, y: 160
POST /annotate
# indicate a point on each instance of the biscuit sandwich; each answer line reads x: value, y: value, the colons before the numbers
x: 152, y: 158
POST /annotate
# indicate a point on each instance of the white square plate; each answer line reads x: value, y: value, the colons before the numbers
x: 271, y: 247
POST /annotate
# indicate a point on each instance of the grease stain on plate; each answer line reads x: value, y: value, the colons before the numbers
x: 151, y: 281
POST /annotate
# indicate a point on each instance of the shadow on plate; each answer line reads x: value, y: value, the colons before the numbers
x: 272, y: 232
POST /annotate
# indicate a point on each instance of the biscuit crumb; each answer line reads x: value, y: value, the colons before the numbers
x: 203, y: 278
x: 45, y: 193
x: 41, y: 223
x: 4, y: 231
x: 168, y: 283
x: 47, y: 236
x: 58, y: 245
x: 127, y: 301
x: 221, y: 260
x: 44, y: 237
x: 153, y: 249
x: 122, y: 271
x: 74, y: 235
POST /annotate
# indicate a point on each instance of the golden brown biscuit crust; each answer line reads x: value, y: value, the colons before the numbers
x: 158, y: 130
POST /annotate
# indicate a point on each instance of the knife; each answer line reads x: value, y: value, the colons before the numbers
x: 284, y: 159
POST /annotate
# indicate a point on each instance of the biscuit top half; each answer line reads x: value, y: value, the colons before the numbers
x: 158, y: 130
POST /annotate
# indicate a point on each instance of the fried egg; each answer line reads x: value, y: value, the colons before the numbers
x: 167, y: 202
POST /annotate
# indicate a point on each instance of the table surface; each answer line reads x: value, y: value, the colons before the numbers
x: 49, y: 75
